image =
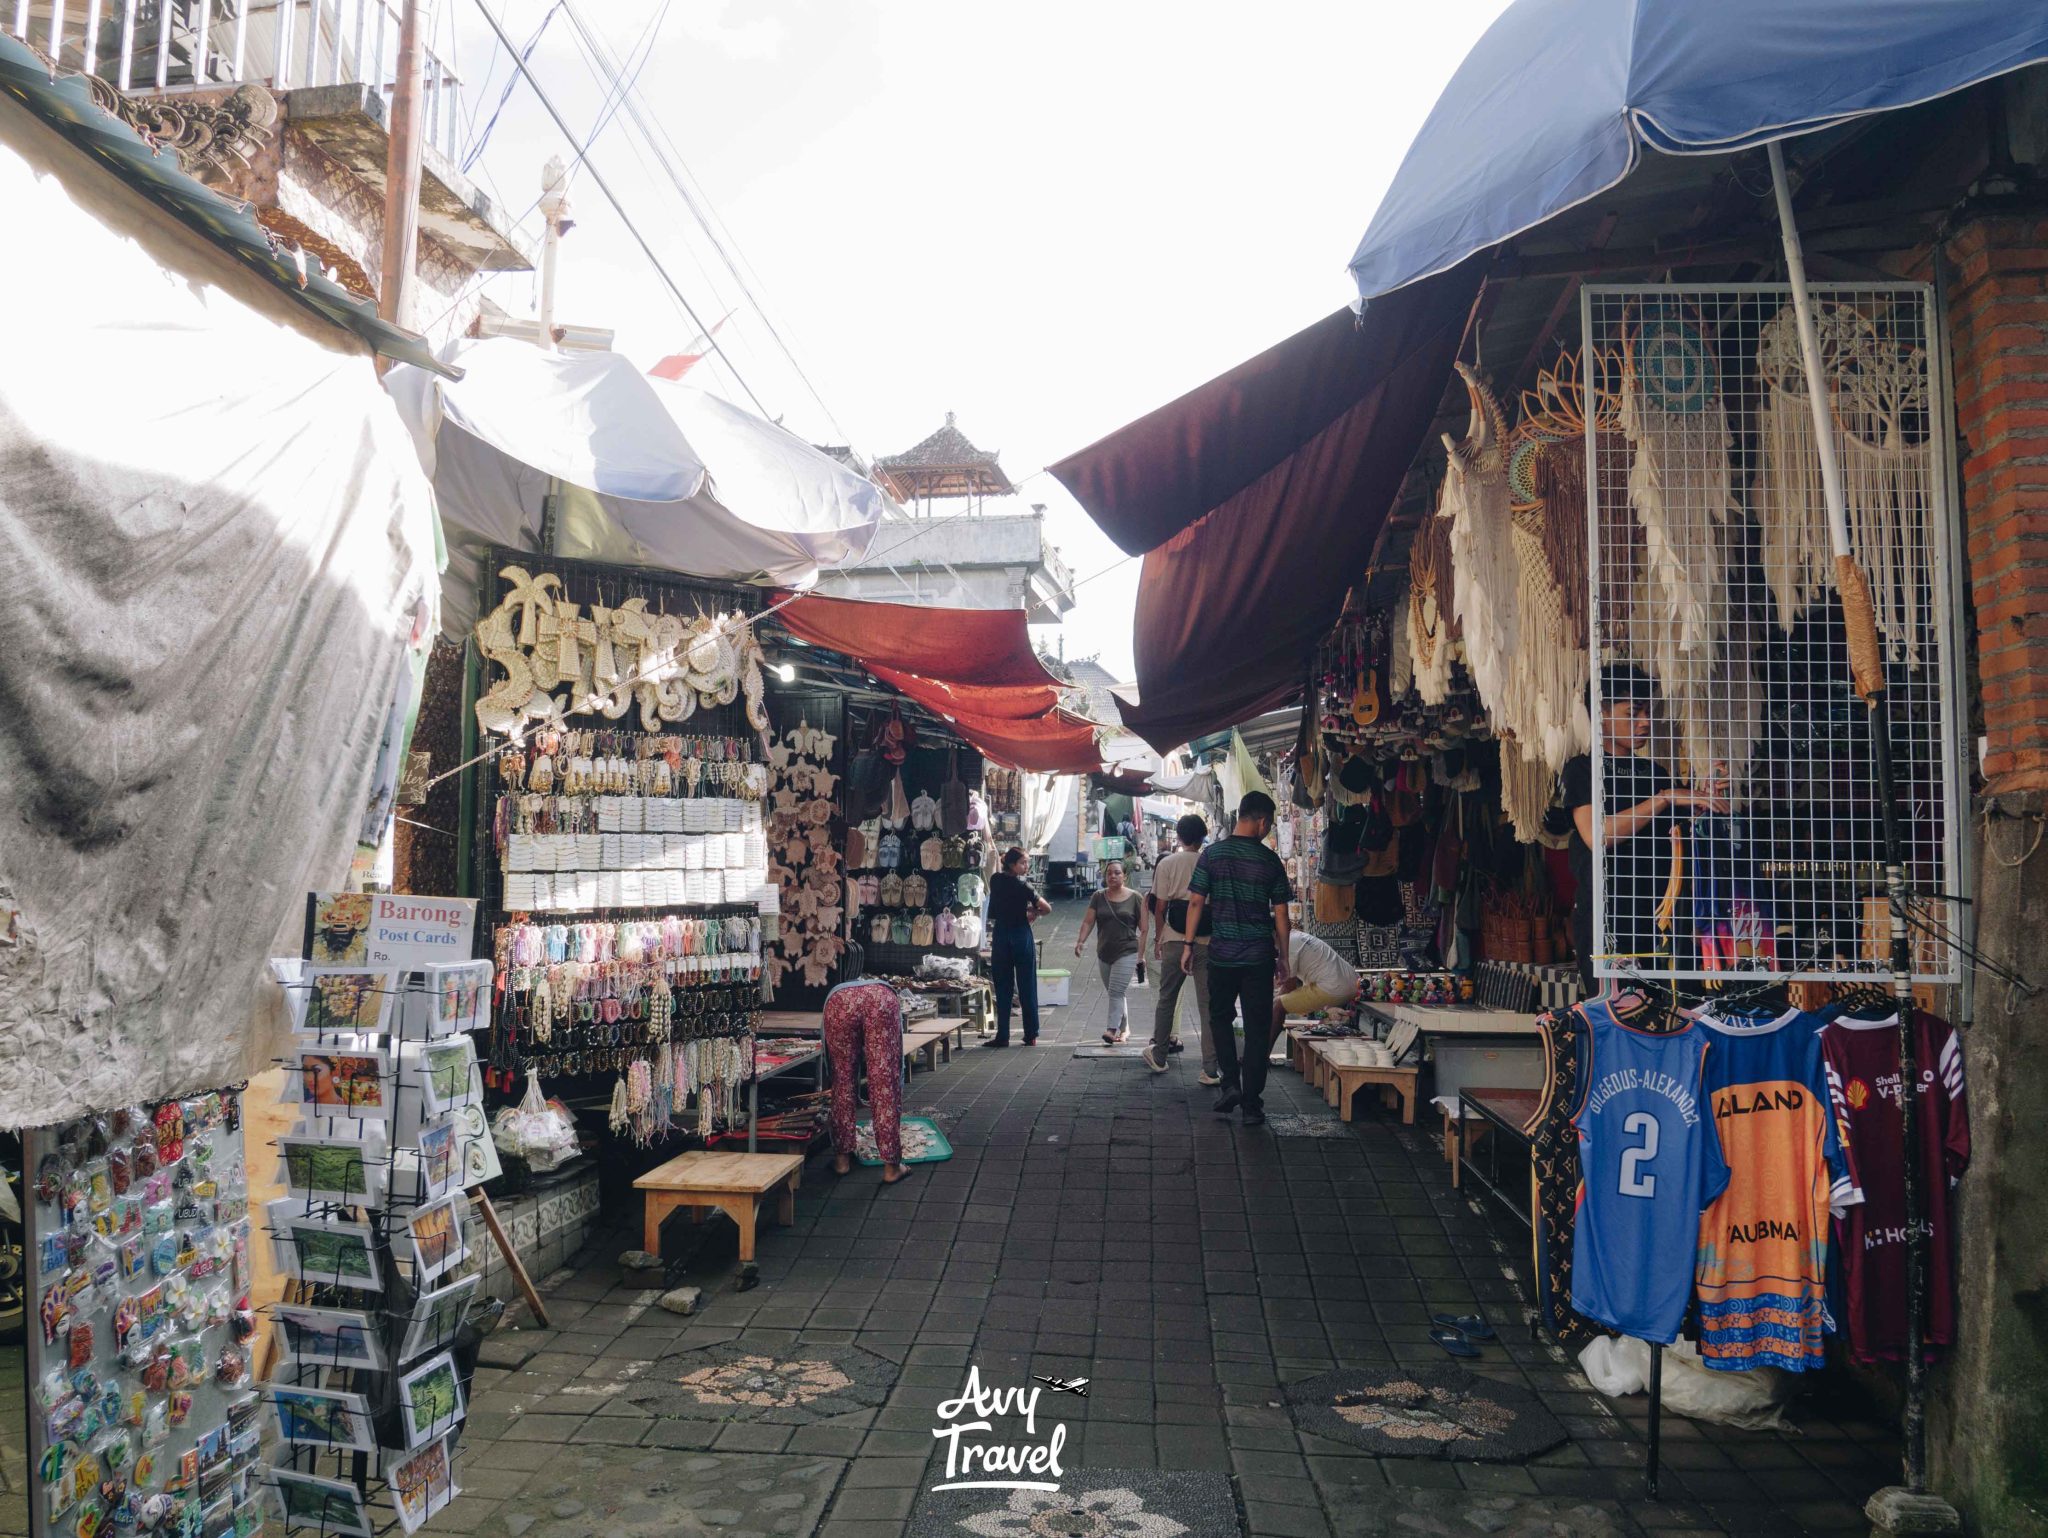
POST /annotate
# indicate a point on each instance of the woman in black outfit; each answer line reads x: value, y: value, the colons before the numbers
x: 1013, y: 951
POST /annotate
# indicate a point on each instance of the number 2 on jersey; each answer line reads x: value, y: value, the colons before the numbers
x: 1633, y: 1181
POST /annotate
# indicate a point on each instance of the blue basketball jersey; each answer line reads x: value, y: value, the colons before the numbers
x: 1649, y: 1164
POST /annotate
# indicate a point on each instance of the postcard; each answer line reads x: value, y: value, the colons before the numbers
x: 345, y: 1171
x: 439, y: 1241
x: 343, y: 1084
x: 444, y: 1071
x: 436, y: 1316
x: 331, y: 1506
x: 329, y: 1337
x: 316, y: 1249
x: 423, y: 1483
x: 323, y: 1418
x: 347, y: 1000
x: 430, y: 1399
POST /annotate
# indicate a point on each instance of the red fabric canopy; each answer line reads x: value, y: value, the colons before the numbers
x: 1258, y: 498
x: 1056, y: 743
x: 1011, y: 702
x: 990, y: 648
x: 975, y: 667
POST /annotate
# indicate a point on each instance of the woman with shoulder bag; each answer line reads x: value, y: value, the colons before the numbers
x: 1115, y: 917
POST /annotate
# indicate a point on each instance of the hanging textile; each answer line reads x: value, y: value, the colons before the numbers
x: 1879, y: 410
x: 1432, y: 623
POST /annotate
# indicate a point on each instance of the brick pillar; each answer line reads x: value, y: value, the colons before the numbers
x: 1998, y: 322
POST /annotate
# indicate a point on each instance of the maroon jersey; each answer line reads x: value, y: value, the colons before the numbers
x: 1863, y: 1080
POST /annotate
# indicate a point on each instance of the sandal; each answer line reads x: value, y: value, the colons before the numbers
x: 1454, y: 1343
x: 1471, y: 1326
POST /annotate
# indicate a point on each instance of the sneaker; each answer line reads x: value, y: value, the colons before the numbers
x: 1154, y: 1058
x: 1209, y: 1079
x: 1228, y: 1100
x: 1254, y: 1118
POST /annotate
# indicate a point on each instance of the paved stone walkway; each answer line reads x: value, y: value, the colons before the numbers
x: 1098, y: 1221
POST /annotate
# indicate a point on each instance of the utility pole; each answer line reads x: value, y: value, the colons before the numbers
x: 402, y: 163
x: 554, y: 207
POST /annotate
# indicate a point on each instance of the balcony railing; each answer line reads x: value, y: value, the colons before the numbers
x: 171, y: 46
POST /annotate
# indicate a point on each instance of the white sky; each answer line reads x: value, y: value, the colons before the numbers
x: 1047, y: 217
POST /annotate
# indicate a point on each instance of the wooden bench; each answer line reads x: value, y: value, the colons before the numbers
x: 733, y: 1183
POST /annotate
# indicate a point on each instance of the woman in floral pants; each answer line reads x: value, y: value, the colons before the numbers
x: 864, y: 1020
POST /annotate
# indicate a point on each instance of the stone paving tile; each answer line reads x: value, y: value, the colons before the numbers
x: 1097, y: 1221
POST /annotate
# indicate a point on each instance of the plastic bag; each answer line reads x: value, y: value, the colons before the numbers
x: 538, y: 1130
x: 1753, y: 1400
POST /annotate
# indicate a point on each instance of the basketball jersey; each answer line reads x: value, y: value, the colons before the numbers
x: 1648, y: 1166
x: 1763, y: 1244
x: 1863, y: 1077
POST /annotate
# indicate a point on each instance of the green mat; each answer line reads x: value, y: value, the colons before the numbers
x: 923, y: 1142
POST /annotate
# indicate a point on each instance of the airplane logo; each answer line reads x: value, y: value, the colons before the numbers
x: 1064, y: 1385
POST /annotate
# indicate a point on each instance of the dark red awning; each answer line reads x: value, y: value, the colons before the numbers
x: 990, y: 648
x: 1009, y: 702
x: 1258, y: 497
x: 1053, y: 744
x: 974, y: 667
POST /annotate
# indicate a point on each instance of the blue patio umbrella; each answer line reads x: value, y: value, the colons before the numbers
x: 1556, y: 103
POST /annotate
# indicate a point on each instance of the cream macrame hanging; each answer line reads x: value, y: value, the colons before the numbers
x: 1485, y: 580
x: 1525, y: 786
x: 1880, y: 387
x: 1530, y: 677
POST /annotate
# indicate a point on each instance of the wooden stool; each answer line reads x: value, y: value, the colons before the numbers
x: 1344, y: 1081
x: 733, y: 1183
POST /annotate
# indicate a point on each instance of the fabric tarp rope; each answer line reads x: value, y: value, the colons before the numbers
x: 215, y: 582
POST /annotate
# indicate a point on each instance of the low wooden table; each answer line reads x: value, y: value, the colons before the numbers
x: 1341, y: 1081
x: 733, y: 1183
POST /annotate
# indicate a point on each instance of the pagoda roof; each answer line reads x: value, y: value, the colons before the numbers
x: 947, y: 464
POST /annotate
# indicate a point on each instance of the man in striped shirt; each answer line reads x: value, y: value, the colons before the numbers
x: 1244, y: 886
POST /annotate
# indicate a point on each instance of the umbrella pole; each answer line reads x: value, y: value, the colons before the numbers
x: 1866, y: 662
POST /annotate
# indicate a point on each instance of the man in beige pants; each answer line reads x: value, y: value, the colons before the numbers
x: 1167, y: 909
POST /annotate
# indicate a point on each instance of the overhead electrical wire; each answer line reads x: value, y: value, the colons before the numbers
x: 480, y: 139
x: 618, y: 207
x: 670, y: 159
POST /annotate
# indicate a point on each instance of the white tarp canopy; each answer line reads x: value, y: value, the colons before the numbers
x: 217, y: 543
x: 654, y: 473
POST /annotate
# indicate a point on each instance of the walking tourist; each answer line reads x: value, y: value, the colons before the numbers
x: 1115, y: 917
x: 1167, y: 909
x: 1012, y: 947
x: 1318, y: 977
x: 1243, y: 888
x: 864, y: 1030
x: 1639, y: 797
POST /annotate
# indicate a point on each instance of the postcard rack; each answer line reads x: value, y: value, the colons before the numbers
x: 367, y: 1383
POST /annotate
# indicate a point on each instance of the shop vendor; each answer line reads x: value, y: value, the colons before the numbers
x: 1639, y: 800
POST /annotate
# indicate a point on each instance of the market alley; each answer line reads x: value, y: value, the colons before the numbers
x: 1097, y: 1222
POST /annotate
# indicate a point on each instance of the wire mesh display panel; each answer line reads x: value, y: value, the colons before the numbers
x: 1738, y: 830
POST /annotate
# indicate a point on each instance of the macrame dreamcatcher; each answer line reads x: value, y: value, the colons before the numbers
x: 1432, y: 627
x: 1530, y: 676
x: 1676, y: 619
x: 1880, y: 407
